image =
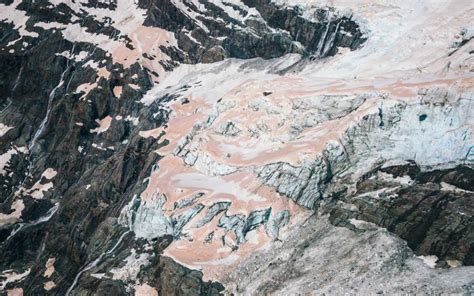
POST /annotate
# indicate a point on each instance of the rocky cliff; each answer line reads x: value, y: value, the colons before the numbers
x: 171, y: 147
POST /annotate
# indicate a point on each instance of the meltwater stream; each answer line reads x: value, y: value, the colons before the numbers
x: 94, y: 263
x: 50, y: 104
x: 40, y: 220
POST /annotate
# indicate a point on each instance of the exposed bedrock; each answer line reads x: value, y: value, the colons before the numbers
x: 211, y: 32
x: 432, y: 210
x: 84, y: 164
x: 76, y: 158
x: 335, y: 260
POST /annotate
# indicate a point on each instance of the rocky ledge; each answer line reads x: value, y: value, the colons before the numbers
x: 168, y: 147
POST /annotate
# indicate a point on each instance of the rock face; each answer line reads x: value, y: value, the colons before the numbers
x: 169, y: 147
x: 211, y: 31
x: 369, y: 260
x: 429, y: 210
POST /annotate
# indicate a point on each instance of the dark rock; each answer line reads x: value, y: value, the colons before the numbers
x: 433, y: 220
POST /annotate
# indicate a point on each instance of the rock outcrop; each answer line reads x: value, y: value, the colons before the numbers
x: 169, y: 147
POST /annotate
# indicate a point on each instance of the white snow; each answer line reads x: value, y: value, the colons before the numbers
x: 133, y: 264
x: 49, y: 267
x: 17, y: 206
x: 11, y: 14
x: 104, y: 125
x: 132, y: 119
x: 145, y: 290
x: 360, y: 224
x: 12, y: 277
x: 429, y: 260
x: 5, y: 158
x: 38, y: 189
x: 406, y: 53
x: 4, y: 129
x: 214, y: 184
x: 407, y: 50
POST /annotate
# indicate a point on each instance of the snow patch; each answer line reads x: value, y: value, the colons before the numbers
x: 103, y: 123
x: 429, y: 260
x: 17, y: 206
x: 4, y: 129
x: 145, y: 290
x: 11, y: 276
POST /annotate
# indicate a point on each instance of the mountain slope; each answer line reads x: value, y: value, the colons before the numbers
x: 190, y: 147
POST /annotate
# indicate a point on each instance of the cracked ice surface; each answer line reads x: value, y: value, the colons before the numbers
x: 400, y: 97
